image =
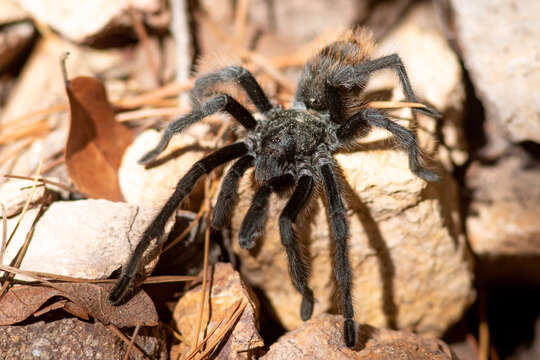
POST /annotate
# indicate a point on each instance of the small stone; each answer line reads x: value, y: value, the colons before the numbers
x: 15, y: 193
x: 11, y: 12
x: 322, y: 338
x: 226, y: 289
x: 153, y: 185
x: 14, y: 39
x: 503, y: 216
x: 87, y: 238
x: 84, y: 22
x: 502, y: 220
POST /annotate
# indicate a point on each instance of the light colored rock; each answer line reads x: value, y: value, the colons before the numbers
x: 10, y: 12
x: 503, y: 214
x: 408, y: 257
x: 86, y: 238
x: 499, y: 43
x: 226, y: 289
x: 436, y: 77
x: 14, y: 195
x: 152, y: 186
x: 14, y: 39
x: 322, y: 338
x: 409, y: 260
x: 316, y: 16
x: 84, y: 21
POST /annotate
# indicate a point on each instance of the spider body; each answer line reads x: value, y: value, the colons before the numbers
x: 289, y: 149
x: 285, y: 142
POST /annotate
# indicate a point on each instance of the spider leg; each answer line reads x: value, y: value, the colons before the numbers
x: 393, y: 61
x: 236, y: 74
x: 252, y: 225
x: 228, y: 191
x: 405, y: 137
x: 155, y: 229
x: 221, y: 102
x: 340, y: 233
x: 297, y: 266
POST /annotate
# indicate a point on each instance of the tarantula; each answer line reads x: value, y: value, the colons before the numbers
x: 290, y: 148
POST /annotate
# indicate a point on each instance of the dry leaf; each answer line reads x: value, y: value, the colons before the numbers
x: 96, y: 142
x: 22, y: 301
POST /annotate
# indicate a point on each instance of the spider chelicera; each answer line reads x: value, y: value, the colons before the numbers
x: 289, y: 148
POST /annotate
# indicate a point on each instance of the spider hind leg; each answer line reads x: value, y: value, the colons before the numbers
x: 229, y: 191
x: 297, y: 266
x: 340, y: 233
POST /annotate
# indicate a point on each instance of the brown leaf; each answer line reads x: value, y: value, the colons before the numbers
x: 22, y: 301
x: 96, y: 142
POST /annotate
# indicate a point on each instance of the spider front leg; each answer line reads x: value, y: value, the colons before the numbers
x: 229, y: 191
x: 222, y: 102
x: 253, y: 223
x: 236, y: 74
x: 297, y: 266
x: 406, y: 138
x: 340, y: 233
x: 155, y: 229
x: 394, y: 62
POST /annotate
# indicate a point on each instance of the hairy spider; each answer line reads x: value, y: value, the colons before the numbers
x: 290, y: 148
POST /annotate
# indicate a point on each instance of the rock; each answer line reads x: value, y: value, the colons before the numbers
x: 71, y: 338
x: 226, y: 289
x: 11, y: 12
x: 152, y: 185
x: 322, y: 338
x: 498, y: 40
x: 409, y: 260
x: 15, y: 193
x: 502, y: 221
x: 14, y: 39
x: 282, y: 17
x: 84, y: 23
x: 86, y: 238
x: 504, y: 210
x: 436, y: 77
x: 410, y: 263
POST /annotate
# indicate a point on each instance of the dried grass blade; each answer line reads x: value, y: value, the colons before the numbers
x: 149, y: 98
x: 205, y: 271
x: 228, y: 325
x: 4, y: 233
x: 44, y: 181
x: 132, y: 341
x: 232, y: 311
x: 395, y: 104
x: 29, y: 200
x: 121, y: 335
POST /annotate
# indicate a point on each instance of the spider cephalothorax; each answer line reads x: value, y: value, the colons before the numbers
x: 289, y: 148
